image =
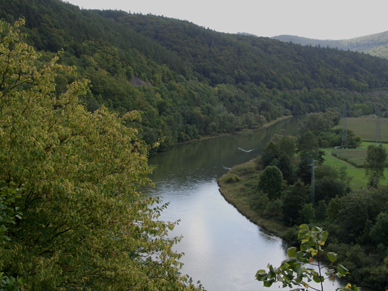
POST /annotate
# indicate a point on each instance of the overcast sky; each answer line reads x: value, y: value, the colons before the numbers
x: 320, y: 19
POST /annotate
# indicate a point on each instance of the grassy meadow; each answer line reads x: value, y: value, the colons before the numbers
x: 365, y: 127
x: 358, y: 174
x: 353, y: 159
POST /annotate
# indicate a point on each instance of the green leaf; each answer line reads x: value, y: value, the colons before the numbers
x: 291, y: 252
x: 305, y: 285
x: 317, y: 279
x: 342, y: 271
x: 322, y: 237
x: 332, y: 256
x: 303, y: 230
x: 304, y: 246
x: 313, y: 252
x: 271, y: 272
x: 261, y: 275
x: 268, y: 283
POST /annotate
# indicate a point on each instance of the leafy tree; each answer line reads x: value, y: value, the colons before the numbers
x: 295, y: 198
x: 73, y: 176
x: 327, y: 188
x: 280, y: 152
x: 330, y: 182
x: 333, y: 208
x: 357, y: 209
x: 303, y: 171
x: 320, y: 210
x: 308, y: 146
x: 271, y: 182
x: 270, y: 155
x: 318, y: 122
x: 375, y: 164
x: 307, y: 213
x: 298, y: 270
x: 286, y: 145
x: 379, y: 231
x: 9, y: 215
x: 286, y: 167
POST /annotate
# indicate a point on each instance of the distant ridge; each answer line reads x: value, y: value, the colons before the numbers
x: 247, y: 34
x: 374, y: 44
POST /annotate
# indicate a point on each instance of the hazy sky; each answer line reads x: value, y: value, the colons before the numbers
x: 320, y: 19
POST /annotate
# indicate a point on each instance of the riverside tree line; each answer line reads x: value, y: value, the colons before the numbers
x: 357, y: 219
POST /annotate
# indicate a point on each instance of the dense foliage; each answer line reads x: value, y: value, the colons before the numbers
x: 355, y: 218
x: 375, y: 164
x: 71, y: 216
x: 352, y: 217
x: 188, y: 81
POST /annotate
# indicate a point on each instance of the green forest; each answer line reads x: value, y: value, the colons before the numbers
x: 86, y: 96
x: 187, y: 81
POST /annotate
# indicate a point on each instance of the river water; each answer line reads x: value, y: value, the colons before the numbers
x: 223, y: 249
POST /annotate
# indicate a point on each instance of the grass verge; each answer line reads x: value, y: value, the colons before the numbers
x: 239, y: 188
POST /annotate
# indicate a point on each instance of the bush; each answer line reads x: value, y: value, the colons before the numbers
x: 294, y: 200
x: 379, y: 231
x: 320, y: 210
x: 271, y: 181
x: 273, y: 209
x: 260, y: 201
x: 307, y: 214
x: 231, y: 178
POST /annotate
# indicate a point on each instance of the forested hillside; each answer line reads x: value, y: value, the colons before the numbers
x: 188, y: 81
x: 374, y: 44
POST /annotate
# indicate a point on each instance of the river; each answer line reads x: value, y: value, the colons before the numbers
x: 223, y: 249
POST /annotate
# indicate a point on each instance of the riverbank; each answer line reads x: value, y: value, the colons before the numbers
x: 239, y: 187
x: 243, y: 131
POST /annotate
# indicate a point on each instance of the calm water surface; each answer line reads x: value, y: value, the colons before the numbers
x: 222, y: 248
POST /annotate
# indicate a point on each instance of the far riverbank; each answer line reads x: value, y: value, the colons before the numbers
x: 243, y: 131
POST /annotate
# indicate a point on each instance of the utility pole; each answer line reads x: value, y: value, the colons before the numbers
x: 378, y: 128
x: 344, y: 130
x: 312, y: 194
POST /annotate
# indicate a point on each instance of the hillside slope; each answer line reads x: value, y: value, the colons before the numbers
x: 188, y: 81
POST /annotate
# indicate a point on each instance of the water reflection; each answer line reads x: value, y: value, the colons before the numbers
x: 223, y: 249
x: 208, y: 158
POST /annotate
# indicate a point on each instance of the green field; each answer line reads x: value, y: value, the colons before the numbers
x: 358, y: 174
x: 356, y: 157
x: 365, y: 127
x: 353, y: 159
